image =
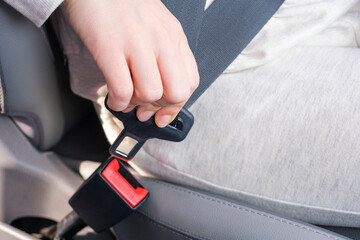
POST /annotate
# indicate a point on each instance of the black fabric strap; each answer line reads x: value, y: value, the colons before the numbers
x: 190, y: 14
x: 227, y: 28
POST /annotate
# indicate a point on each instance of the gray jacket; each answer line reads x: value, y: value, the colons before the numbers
x: 35, y: 10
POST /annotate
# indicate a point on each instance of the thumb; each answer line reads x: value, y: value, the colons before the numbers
x: 166, y: 115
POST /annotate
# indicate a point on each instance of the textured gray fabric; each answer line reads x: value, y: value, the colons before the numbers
x: 190, y: 13
x: 37, y: 11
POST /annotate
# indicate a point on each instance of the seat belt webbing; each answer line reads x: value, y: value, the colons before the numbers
x: 190, y: 14
x: 227, y: 28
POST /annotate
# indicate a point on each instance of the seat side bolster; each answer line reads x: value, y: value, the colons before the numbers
x: 29, y: 75
x: 204, y: 216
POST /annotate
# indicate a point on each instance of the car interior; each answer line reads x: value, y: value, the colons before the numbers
x: 51, y: 140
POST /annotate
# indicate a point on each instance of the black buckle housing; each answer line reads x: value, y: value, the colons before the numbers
x: 109, y: 195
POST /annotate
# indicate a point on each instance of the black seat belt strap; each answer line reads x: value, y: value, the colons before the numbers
x: 227, y: 28
x: 190, y: 14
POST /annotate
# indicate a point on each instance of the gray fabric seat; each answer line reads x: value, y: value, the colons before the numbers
x: 32, y: 90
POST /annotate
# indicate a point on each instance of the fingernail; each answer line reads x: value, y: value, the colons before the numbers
x: 163, y: 121
x: 145, y: 115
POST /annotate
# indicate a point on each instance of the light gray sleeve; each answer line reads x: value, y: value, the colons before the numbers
x: 37, y: 11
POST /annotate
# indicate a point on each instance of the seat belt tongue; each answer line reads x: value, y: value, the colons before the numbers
x: 135, y: 133
x: 108, y: 196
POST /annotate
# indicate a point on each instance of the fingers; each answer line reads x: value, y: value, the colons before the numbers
x: 145, y: 112
x: 146, y: 77
x: 158, y: 86
x: 119, y: 82
x: 166, y: 115
x: 174, y: 78
x: 145, y: 59
x: 191, y: 68
x: 179, y: 77
x: 163, y: 115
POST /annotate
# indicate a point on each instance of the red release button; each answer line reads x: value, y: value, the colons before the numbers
x: 122, y: 186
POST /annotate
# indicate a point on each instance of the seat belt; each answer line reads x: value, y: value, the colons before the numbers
x: 227, y: 28
x: 190, y: 14
x: 222, y: 32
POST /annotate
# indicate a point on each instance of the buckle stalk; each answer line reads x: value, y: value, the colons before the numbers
x: 109, y: 195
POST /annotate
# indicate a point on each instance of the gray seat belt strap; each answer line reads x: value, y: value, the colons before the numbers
x: 227, y: 28
x: 190, y: 14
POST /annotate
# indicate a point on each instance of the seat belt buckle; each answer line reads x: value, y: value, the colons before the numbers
x: 135, y: 133
x: 109, y: 195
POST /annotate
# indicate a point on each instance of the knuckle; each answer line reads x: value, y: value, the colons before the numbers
x: 149, y: 95
x: 121, y: 95
x: 195, y: 83
x: 177, y: 97
x: 175, y: 30
x: 171, y: 37
x: 176, y: 26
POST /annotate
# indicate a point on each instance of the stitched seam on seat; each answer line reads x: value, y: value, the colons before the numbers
x: 2, y: 91
x: 152, y: 221
x: 238, y: 208
x: 1, y: 97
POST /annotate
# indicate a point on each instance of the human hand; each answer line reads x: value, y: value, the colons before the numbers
x: 142, y: 51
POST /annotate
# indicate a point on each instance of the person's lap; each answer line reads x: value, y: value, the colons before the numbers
x: 283, y: 136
